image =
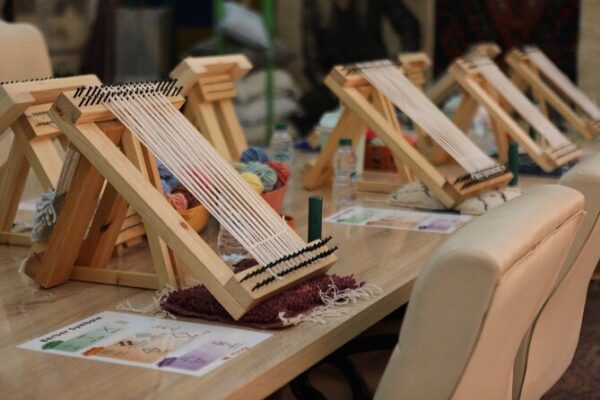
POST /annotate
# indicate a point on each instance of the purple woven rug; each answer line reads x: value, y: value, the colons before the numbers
x: 300, y: 299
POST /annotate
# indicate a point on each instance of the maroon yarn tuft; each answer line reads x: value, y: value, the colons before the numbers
x: 300, y: 299
x: 191, y: 200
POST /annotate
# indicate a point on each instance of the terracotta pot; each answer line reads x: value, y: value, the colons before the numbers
x: 275, y: 198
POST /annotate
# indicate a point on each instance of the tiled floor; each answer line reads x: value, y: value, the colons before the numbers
x: 582, y: 380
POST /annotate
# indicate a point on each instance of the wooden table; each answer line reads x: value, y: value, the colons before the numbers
x: 390, y: 259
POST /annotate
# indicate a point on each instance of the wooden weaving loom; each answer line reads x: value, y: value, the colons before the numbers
x: 367, y: 91
x: 24, y: 109
x: 209, y: 85
x: 319, y: 171
x: 550, y: 86
x: 128, y: 113
x: 484, y: 84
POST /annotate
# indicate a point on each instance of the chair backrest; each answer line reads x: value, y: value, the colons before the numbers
x: 554, y: 336
x: 24, y: 52
x: 477, y: 297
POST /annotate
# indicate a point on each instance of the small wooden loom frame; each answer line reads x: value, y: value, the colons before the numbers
x: 95, y: 133
x: 209, y: 85
x: 319, y: 171
x: 477, y: 91
x: 23, y: 108
x: 364, y: 105
x: 526, y: 75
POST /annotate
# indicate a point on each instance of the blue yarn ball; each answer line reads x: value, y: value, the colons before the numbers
x: 253, y: 153
x: 267, y: 175
x: 165, y: 186
x: 166, y: 175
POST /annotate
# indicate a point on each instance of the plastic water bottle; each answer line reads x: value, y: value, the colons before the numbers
x: 229, y: 249
x: 282, y: 145
x: 344, y: 169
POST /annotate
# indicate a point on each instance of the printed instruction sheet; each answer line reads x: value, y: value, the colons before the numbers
x: 399, y: 219
x: 141, y: 341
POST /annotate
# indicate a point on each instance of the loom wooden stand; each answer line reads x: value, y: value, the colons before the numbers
x: 319, y: 172
x: 209, y: 85
x: 366, y: 106
x: 24, y: 109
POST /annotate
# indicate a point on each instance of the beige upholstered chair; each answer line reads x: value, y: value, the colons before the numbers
x: 550, y: 347
x: 24, y: 52
x: 478, y: 295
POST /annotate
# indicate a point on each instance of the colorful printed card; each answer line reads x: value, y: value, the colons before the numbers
x: 127, y: 339
x: 399, y: 219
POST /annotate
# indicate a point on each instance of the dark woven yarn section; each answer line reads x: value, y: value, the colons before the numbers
x: 300, y: 299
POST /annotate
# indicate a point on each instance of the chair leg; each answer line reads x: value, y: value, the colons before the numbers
x: 303, y: 390
x: 356, y: 382
x: 368, y: 343
x: 301, y: 387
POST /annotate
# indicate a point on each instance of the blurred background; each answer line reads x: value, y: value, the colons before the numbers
x: 295, y: 42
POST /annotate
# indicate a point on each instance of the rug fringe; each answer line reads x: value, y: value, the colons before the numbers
x: 154, y: 308
x: 334, y: 301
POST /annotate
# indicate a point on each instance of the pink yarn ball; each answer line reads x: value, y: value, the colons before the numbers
x: 282, y: 171
x: 177, y: 201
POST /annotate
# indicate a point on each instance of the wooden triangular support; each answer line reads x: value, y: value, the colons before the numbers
x: 93, y: 211
x: 478, y: 91
x: 109, y: 153
x: 526, y: 75
x: 209, y: 85
x: 24, y: 109
x: 364, y: 105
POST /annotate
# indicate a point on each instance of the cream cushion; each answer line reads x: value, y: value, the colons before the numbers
x: 478, y: 295
x: 24, y: 52
x: 554, y: 337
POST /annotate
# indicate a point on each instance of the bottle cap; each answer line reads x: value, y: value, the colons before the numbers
x: 280, y: 126
x: 345, y: 142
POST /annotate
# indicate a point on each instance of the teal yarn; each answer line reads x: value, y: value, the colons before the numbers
x: 267, y: 175
x: 45, y: 215
x: 253, y: 153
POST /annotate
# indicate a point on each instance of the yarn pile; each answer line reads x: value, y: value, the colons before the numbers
x: 262, y: 174
x: 177, y: 195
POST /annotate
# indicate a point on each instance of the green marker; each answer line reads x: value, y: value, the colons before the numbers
x: 315, y: 217
x: 513, y: 162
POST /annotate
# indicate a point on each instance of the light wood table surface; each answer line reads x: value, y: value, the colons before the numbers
x: 390, y: 259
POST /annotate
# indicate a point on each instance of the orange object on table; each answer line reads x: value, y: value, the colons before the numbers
x: 197, y: 217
